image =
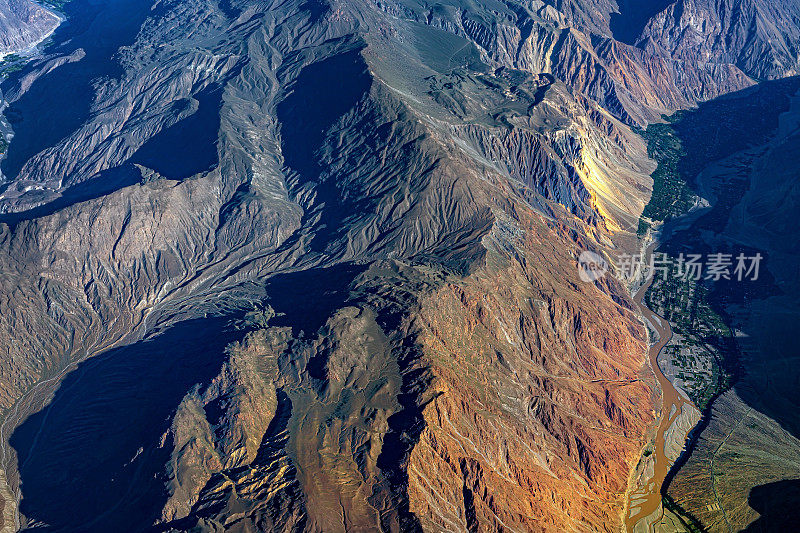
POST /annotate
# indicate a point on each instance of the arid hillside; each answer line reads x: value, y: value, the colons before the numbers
x: 312, y: 265
x: 23, y: 24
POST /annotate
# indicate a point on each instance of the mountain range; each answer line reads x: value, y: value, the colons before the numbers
x: 311, y: 265
x: 23, y: 25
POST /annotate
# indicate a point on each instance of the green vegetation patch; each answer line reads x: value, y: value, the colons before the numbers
x: 671, y: 194
x: 689, y: 522
x: 685, y: 304
x: 684, y: 145
x: 11, y: 63
x: 56, y: 5
x: 690, y: 140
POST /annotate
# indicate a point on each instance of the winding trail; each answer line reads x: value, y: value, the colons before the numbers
x: 646, y: 500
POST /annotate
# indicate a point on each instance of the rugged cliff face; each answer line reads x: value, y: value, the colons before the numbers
x: 281, y: 155
x: 758, y: 36
x: 312, y: 266
x: 682, y: 55
x: 23, y: 24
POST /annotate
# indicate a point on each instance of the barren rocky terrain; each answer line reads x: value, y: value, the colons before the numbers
x: 24, y: 24
x: 312, y: 265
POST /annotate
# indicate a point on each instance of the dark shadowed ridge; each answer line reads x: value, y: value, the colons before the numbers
x: 322, y: 93
x: 182, y: 150
x: 80, y: 457
x: 189, y: 146
x: 777, y: 503
x: 104, y: 183
x: 627, y: 25
x: 67, y: 92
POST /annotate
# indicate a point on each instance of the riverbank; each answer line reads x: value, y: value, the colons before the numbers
x: 748, y: 443
x: 694, y: 149
x: 677, y: 418
x: 26, y: 26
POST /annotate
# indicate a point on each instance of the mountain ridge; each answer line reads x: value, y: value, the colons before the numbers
x: 379, y: 207
x: 24, y: 24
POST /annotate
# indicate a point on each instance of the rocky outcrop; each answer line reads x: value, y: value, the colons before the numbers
x: 757, y: 36
x: 507, y: 442
x: 687, y: 53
